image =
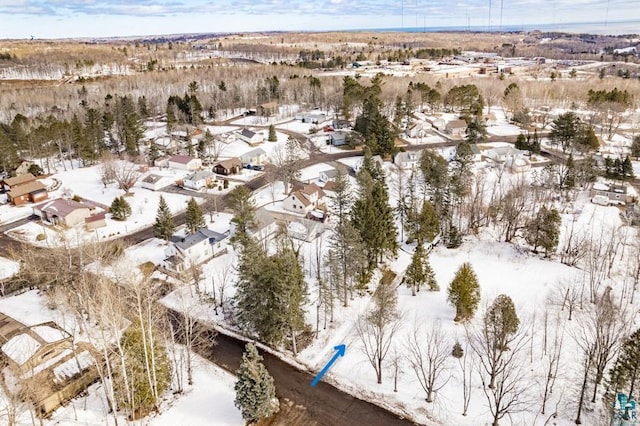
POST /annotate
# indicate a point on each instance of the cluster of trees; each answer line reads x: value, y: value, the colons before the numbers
x: 86, y: 136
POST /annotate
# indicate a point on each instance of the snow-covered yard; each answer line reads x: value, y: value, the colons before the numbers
x: 8, y: 268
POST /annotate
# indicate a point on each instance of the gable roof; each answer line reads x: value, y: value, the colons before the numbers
x: 403, y: 157
x: 253, y: 153
x: 152, y: 178
x: 456, y: 124
x: 27, y: 188
x: 229, y: 163
x: 198, y: 237
x: 60, y: 207
x: 312, y: 188
x: 247, y: 133
x: 20, y: 180
x: 181, y: 159
x: 301, y: 197
x: 199, y: 175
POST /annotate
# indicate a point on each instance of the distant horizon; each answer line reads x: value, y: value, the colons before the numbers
x: 95, y: 19
x: 622, y: 28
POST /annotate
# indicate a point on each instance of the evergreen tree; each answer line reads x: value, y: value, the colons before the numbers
x: 521, y: 142
x: 372, y: 215
x: 348, y: 254
x: 627, y: 168
x: 372, y: 124
x: 435, y: 171
x: 343, y: 198
x: 423, y: 225
x: 244, y: 209
x: 270, y: 292
x: 635, y: 147
x: 255, y: 388
x: 476, y: 131
x: 586, y: 139
x: 147, y: 370
x: 625, y: 373
x: 564, y: 129
x: 164, y: 227
x: 464, y: 292
x: 273, y: 137
x: 194, y: 217
x: 454, y: 238
x: 419, y: 272
x: 120, y: 209
x: 544, y: 230
x: 501, y: 322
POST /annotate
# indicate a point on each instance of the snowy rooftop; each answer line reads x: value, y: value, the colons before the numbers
x: 21, y: 348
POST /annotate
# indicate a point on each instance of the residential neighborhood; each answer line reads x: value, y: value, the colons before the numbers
x: 359, y: 228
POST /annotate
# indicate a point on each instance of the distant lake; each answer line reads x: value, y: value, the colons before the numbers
x: 613, y: 27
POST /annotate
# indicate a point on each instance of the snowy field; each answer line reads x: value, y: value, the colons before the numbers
x: 8, y: 268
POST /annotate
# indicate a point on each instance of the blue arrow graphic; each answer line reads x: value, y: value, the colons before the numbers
x: 341, y: 350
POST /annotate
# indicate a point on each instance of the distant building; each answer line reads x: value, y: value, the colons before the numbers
x: 338, y: 138
x: 228, y: 167
x: 250, y: 137
x: 24, y: 189
x: 184, y: 162
x: 198, y: 180
x: 255, y: 156
x: 456, y: 127
x: 305, y: 199
x: 267, y: 110
x: 409, y: 160
x: 155, y: 182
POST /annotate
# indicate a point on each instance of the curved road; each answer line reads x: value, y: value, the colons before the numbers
x: 321, y: 405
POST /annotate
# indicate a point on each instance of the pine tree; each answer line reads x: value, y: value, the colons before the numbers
x: 544, y: 230
x: 422, y: 226
x: 419, y: 272
x: 244, y: 209
x: 273, y: 137
x: 164, y: 227
x: 255, y: 388
x: 120, y: 209
x: 625, y: 373
x: 270, y: 292
x: 635, y: 147
x: 372, y: 215
x: 464, y: 292
x: 195, y: 218
x: 501, y: 321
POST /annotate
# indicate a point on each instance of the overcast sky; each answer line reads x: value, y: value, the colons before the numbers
x: 100, y: 18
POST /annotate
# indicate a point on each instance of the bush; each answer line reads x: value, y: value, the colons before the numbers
x: 226, y: 183
x: 457, y: 351
x: 76, y: 198
x: 41, y: 237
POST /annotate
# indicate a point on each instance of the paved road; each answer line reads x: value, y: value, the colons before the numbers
x: 323, y: 404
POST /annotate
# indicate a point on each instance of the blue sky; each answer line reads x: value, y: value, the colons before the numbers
x: 101, y: 18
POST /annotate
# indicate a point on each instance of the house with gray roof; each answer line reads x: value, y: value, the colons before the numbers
x: 250, y: 137
x: 194, y: 249
x: 198, y: 180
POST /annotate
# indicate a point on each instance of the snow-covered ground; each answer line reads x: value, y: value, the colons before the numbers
x: 8, y: 268
x: 209, y: 401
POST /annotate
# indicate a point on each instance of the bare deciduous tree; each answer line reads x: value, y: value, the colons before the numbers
x: 126, y: 175
x: 378, y: 328
x: 428, y: 351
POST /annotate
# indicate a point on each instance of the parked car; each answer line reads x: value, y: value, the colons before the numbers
x: 258, y: 167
